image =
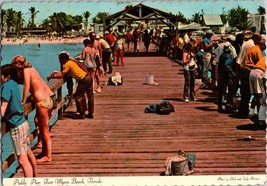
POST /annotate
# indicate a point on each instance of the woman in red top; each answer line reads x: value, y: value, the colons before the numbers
x: 128, y: 37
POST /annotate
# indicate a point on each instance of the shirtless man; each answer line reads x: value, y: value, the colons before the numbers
x: 98, y: 51
x: 106, y: 52
x: 41, y: 93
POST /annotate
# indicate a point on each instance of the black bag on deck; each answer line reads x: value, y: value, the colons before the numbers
x: 165, y: 107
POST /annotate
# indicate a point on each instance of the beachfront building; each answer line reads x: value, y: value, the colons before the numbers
x: 213, y: 21
x: 258, y: 23
x: 142, y: 15
x: 120, y: 26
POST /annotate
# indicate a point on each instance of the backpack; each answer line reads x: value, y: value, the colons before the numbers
x: 165, y: 107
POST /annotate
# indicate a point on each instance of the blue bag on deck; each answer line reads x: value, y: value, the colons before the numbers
x: 152, y: 108
x: 165, y: 107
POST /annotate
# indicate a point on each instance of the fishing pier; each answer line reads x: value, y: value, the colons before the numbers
x: 123, y: 140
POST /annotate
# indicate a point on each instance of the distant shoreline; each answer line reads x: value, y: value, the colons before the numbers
x: 29, y: 40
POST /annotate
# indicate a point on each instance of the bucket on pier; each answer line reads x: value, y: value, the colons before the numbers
x: 150, y: 79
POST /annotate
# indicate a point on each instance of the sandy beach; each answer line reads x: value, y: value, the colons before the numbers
x: 30, y: 40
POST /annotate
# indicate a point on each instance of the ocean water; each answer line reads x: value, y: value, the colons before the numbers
x: 45, y: 60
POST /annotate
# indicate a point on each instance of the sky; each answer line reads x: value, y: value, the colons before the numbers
x: 75, y: 7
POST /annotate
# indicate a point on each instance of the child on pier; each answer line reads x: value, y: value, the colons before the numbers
x: 13, y: 114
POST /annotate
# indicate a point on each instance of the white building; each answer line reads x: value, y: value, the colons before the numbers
x: 258, y: 22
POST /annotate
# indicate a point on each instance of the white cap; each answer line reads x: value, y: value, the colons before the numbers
x: 64, y: 52
x: 209, y: 32
x: 97, y: 37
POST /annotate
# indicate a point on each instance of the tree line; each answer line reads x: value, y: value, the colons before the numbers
x: 61, y: 23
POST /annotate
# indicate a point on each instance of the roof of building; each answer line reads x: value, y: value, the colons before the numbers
x: 191, y: 26
x: 141, y: 12
x: 212, y: 20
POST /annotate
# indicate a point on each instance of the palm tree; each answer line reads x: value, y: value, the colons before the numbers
x: 181, y: 18
x: 100, y: 16
x: 3, y: 14
x: 60, y: 22
x: 46, y: 24
x: 196, y: 18
x: 76, y: 22
x: 19, y: 22
x: 53, y: 21
x: 33, y: 15
x: 86, y: 16
x: 238, y: 17
x: 10, y: 20
x: 262, y: 12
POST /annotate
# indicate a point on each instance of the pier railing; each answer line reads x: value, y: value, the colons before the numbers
x: 56, y: 86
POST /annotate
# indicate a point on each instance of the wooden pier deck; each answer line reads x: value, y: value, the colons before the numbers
x: 122, y: 140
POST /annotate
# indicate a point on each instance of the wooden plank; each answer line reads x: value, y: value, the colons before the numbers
x: 122, y: 140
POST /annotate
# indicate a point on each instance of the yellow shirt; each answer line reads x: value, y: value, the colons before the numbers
x: 70, y: 67
x: 253, y: 55
x: 180, y: 43
x: 261, y: 64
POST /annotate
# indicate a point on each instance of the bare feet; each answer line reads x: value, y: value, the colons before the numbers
x: 44, y: 159
x: 190, y: 172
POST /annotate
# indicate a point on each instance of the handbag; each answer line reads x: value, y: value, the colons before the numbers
x: 89, y: 61
x: 192, y: 64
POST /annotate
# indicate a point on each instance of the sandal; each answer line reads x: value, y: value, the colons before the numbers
x: 78, y: 116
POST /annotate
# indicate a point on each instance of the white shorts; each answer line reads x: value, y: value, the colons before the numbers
x: 255, y: 81
x: 20, y: 138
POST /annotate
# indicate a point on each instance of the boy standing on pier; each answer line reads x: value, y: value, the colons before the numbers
x: 13, y: 114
